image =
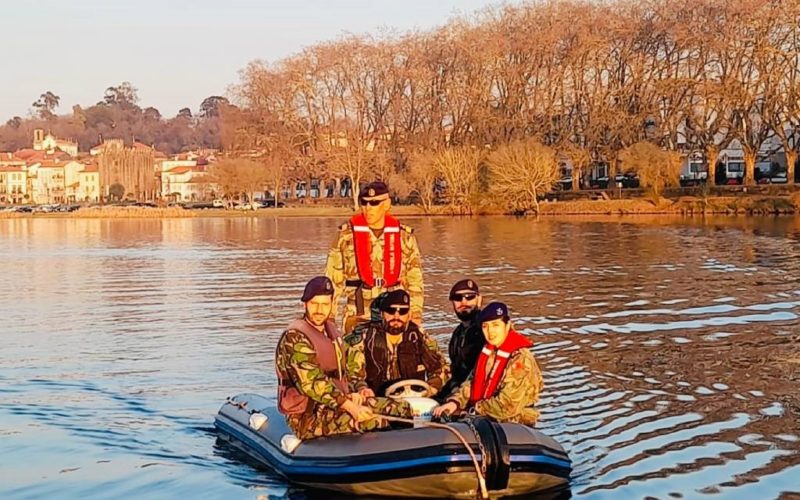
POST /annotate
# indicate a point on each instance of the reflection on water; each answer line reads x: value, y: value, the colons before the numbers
x: 670, y: 347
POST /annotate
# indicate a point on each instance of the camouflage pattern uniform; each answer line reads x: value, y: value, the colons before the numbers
x: 324, y: 416
x: 341, y: 267
x: 516, y: 394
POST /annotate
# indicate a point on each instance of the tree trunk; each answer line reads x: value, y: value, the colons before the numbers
x: 356, y: 182
x: 576, y: 178
x: 712, y: 154
x: 535, y: 203
x: 613, y: 164
x: 791, y: 160
x: 749, y: 167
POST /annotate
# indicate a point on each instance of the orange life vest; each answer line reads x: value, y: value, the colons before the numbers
x: 392, y: 253
x: 483, y: 385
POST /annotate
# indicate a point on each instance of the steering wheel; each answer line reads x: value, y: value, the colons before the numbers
x: 411, y: 387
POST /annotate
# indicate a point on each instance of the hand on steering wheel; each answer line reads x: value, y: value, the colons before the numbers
x: 406, y: 388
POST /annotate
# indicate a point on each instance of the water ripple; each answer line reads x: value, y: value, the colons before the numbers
x: 669, y: 348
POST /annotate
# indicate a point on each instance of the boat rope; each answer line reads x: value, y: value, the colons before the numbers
x: 484, y: 493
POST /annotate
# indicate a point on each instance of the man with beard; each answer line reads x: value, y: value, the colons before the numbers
x: 315, y: 392
x: 506, y: 381
x: 467, y: 339
x: 394, y: 348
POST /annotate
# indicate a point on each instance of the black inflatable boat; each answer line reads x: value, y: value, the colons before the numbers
x: 419, y: 462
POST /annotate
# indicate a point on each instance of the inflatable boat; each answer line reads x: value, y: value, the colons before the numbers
x: 419, y: 462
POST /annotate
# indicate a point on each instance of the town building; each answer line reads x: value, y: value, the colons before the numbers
x: 130, y: 167
x: 49, y: 143
x: 13, y: 184
x: 186, y: 183
x: 88, y: 185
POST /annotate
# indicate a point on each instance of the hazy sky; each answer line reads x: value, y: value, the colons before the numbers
x: 176, y: 52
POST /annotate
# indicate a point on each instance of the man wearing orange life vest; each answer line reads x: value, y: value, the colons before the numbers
x: 506, y: 381
x: 374, y: 253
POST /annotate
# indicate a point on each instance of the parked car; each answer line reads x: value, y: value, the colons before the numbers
x: 779, y: 179
x: 198, y: 205
x: 270, y: 203
x: 218, y: 203
x: 599, y: 183
x: 630, y: 181
x: 564, y: 184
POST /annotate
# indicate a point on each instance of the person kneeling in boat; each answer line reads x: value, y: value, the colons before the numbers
x: 506, y: 381
x: 314, y: 390
x: 391, y: 347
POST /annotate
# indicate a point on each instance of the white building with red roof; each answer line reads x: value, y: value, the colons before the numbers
x: 48, y: 142
x: 186, y: 183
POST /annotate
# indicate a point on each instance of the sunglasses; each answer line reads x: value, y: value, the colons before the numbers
x: 372, y: 203
x: 402, y: 311
x: 460, y: 297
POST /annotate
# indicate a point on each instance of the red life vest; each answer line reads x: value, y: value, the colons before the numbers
x: 483, y: 386
x: 392, y: 254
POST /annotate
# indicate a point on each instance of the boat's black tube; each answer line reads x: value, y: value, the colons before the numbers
x: 482, y: 488
x: 503, y: 466
x: 497, y: 458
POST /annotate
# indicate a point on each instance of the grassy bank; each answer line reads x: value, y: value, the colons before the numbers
x: 717, y: 205
x: 722, y: 205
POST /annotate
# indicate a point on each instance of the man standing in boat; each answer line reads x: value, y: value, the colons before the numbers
x: 374, y: 253
x: 392, y: 347
x: 506, y: 381
x: 314, y: 389
x: 467, y: 339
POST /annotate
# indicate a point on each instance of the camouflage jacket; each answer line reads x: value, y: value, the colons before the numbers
x: 516, y: 394
x: 296, y: 357
x: 341, y: 267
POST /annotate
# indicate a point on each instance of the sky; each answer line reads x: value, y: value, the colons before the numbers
x: 176, y: 52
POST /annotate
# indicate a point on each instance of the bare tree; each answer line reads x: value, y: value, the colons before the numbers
x: 755, y: 74
x: 239, y: 178
x: 422, y: 176
x: 459, y: 168
x: 785, y: 95
x: 597, y: 78
x: 655, y: 167
x: 521, y: 171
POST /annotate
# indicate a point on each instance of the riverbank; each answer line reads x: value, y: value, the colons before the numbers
x: 687, y: 205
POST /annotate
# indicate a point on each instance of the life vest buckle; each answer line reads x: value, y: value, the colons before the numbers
x: 379, y: 283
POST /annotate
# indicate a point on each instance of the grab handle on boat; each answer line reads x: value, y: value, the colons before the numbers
x: 481, y: 480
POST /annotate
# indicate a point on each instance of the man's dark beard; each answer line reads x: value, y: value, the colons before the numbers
x: 467, y: 315
x: 394, y: 330
x: 311, y: 320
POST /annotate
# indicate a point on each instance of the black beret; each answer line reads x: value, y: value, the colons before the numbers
x: 394, y: 298
x: 463, y: 286
x: 495, y: 310
x: 373, y: 189
x: 319, y: 285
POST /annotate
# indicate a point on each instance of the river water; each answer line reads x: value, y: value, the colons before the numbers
x: 670, y: 348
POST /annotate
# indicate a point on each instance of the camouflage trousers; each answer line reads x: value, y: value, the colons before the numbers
x: 325, y: 421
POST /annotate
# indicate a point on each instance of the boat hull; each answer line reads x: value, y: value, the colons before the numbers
x: 419, y: 463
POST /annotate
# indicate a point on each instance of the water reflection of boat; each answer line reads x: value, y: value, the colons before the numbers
x: 422, y: 462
